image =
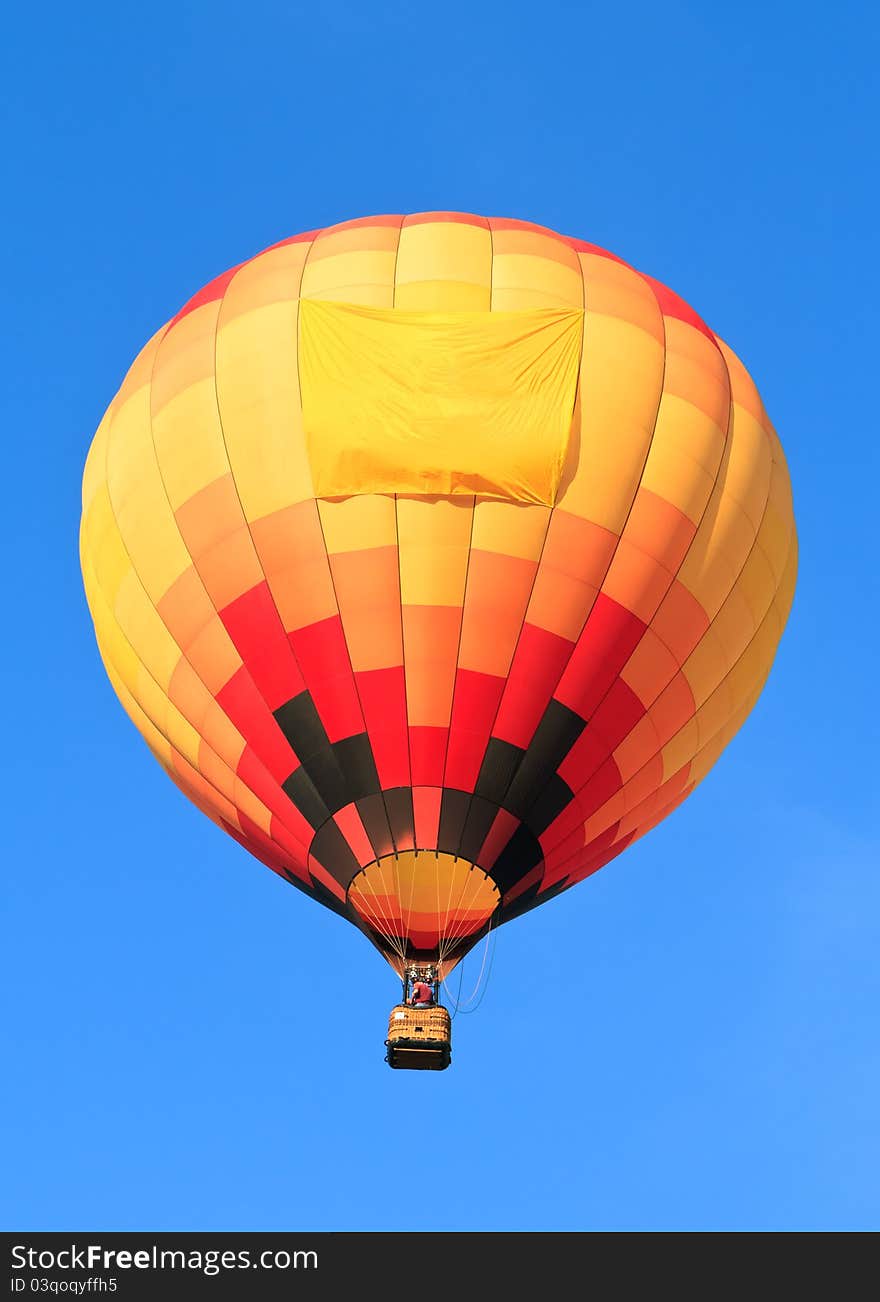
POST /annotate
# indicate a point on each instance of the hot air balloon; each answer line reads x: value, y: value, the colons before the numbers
x: 436, y: 558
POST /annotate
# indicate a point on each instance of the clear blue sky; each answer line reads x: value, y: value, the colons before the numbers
x: 168, y: 1064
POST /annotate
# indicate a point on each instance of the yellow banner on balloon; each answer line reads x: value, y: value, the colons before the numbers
x: 435, y: 403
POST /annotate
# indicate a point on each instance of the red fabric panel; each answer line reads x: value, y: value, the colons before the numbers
x: 617, y: 715
x: 214, y: 289
x: 538, y: 662
x: 253, y: 623
x: 562, y: 826
x: 672, y: 305
x: 596, y: 861
x: 500, y: 832
x: 323, y: 659
x: 348, y: 820
x: 581, y: 246
x: 246, y: 708
x: 427, y: 752
x: 256, y: 776
x: 474, y: 707
x: 383, y: 698
x: 426, y: 816
x: 464, y: 218
x: 609, y: 638
x: 601, y: 787
x: 532, y: 876
x: 581, y: 762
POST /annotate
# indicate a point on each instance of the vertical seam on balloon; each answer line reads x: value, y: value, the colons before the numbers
x: 400, y: 578
x: 330, y: 568
x: 466, y: 576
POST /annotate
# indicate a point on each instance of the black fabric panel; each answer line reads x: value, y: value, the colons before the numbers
x: 374, y: 817
x: 480, y: 818
x: 454, y: 807
x: 518, y: 857
x: 497, y: 769
x: 398, y: 802
x: 301, y: 724
x: 554, y: 737
x: 333, y: 852
x: 328, y: 778
x: 301, y: 790
x: 354, y: 756
x: 551, y: 799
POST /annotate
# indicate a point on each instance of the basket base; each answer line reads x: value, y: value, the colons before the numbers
x: 418, y: 1055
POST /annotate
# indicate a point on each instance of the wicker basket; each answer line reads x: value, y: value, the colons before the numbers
x: 407, y: 1023
x: 419, y: 1038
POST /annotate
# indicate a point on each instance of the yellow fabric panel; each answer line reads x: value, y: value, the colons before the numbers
x: 441, y: 296
x: 747, y: 476
x: 434, y: 541
x: 153, y: 644
x: 159, y: 745
x: 430, y: 403
x: 137, y: 652
x: 680, y: 749
x: 745, y: 394
x: 431, y: 638
x: 380, y: 237
x: 672, y: 471
x: 354, y: 523
x: 102, y: 546
x: 258, y: 394
x: 443, y: 267
x: 694, y: 414
x: 213, y: 655
x: 138, y: 374
x: 757, y: 583
x: 189, y: 449
x: 200, y: 791
x: 354, y: 277
x: 273, y: 277
x: 522, y: 280
x: 184, y: 356
x: 436, y: 884
x: 776, y: 533
x: 94, y: 472
x: 510, y: 528
x: 696, y: 371
x: 719, y: 550
x: 291, y: 551
x: 613, y: 289
x: 620, y: 385
x: 116, y: 647
x: 139, y: 500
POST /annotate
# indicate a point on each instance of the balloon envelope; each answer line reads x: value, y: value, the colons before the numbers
x: 437, y: 559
